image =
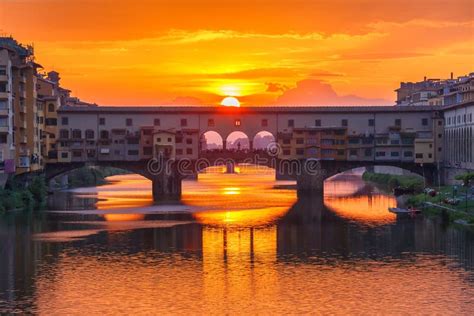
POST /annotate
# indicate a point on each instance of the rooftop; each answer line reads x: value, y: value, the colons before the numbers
x: 251, y: 109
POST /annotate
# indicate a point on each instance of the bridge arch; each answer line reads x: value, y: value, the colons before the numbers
x: 211, y: 140
x: 237, y: 140
x: 263, y: 140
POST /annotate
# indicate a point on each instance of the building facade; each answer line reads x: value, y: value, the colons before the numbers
x: 459, y: 138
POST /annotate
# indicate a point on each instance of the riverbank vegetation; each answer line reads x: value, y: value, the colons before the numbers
x: 460, y: 208
x: 389, y: 181
x: 455, y: 203
x: 17, y: 197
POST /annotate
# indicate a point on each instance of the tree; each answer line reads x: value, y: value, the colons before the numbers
x: 466, y: 178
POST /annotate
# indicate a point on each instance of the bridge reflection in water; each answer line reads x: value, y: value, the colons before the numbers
x: 250, y: 246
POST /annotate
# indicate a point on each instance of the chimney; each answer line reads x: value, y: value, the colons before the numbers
x: 424, y: 79
x: 452, y: 75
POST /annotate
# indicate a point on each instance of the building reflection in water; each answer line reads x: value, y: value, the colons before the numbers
x: 250, y: 248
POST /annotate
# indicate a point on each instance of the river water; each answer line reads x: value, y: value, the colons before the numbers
x: 239, y: 244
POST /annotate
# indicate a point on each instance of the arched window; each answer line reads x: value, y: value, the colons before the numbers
x: 104, y: 134
x: 89, y: 134
x: 50, y: 107
x: 64, y: 134
x: 77, y: 134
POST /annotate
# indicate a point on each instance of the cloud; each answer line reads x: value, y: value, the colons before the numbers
x: 316, y: 92
x: 275, y: 87
x: 187, y: 100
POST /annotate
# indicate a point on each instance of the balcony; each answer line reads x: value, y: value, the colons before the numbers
x: 3, y: 78
x: 4, y: 129
x: 22, y: 124
x: 3, y: 111
x: 4, y: 95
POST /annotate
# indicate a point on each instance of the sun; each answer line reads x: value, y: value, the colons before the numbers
x: 230, y: 101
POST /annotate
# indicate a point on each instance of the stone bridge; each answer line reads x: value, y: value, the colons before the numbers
x: 167, y: 175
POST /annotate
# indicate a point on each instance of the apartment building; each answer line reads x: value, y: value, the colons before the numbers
x: 436, y: 92
x: 459, y: 139
x: 7, y: 142
x: 18, y: 86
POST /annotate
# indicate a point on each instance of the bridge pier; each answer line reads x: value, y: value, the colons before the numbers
x: 310, y: 184
x: 166, y: 187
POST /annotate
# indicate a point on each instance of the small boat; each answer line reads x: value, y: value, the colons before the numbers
x: 400, y: 211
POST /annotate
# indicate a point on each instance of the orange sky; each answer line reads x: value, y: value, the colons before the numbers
x: 122, y: 52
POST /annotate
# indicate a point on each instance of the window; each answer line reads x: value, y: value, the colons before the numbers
x: 237, y: 122
x: 408, y: 154
x: 3, y: 139
x: 51, y: 122
x: 300, y: 141
x: 353, y: 152
x: 367, y: 141
x: 189, y: 151
x: 210, y: 122
x: 133, y: 141
x: 169, y: 139
x: 179, y: 151
x: 264, y: 122
x: 440, y: 135
x: 344, y: 122
x: 89, y: 134
x: 129, y: 122
x: 104, y: 134
x: 158, y: 140
x: 64, y: 133
x: 184, y: 122
x: 300, y: 151
x: 64, y: 155
x: 368, y: 152
x: 395, y: 154
x: 286, y: 141
x: 371, y: 122
x: 3, y: 104
x: 353, y: 141
x: 380, y: 154
x: 419, y: 156
x: 102, y: 121
x: 77, y: 134
x: 156, y: 122
x: 424, y: 122
x: 398, y: 122
x: 430, y: 156
x: 51, y: 107
x: 133, y: 152
x: 65, y: 121
x: 3, y: 70
x: 179, y: 139
x: 291, y: 123
x: 286, y: 152
x: 317, y: 123
x: 394, y: 142
x: 77, y: 154
x: 341, y: 152
x: 189, y: 141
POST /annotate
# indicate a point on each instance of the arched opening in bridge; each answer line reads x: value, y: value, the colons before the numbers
x: 211, y: 141
x: 237, y: 141
x: 264, y: 141
x: 119, y: 188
